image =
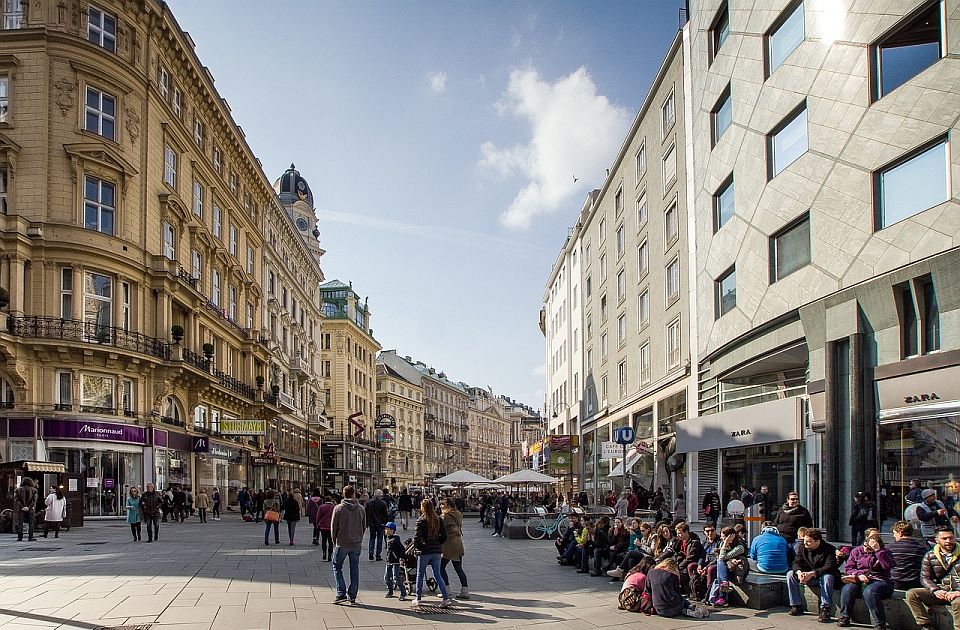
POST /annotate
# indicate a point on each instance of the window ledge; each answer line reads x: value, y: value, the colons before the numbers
x: 672, y: 300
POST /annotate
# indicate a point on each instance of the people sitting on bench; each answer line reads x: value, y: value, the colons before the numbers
x: 941, y: 581
x: 908, y: 553
x: 815, y: 566
x: 770, y: 552
x: 867, y: 576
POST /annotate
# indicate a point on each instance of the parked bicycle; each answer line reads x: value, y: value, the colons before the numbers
x: 538, y: 526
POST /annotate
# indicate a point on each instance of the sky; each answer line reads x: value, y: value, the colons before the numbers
x: 449, y: 146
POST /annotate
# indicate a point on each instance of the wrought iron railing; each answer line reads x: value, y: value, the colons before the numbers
x: 87, y: 332
x: 196, y: 360
x: 271, y: 399
x: 238, y: 387
x: 188, y: 279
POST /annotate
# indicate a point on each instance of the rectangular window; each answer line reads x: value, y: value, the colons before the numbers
x: 233, y: 240
x: 101, y: 112
x: 621, y: 329
x: 97, y: 302
x: 102, y: 28
x: 673, y: 280
x: 602, y: 230
x: 603, y: 347
x: 930, y: 319
x: 4, y: 99
x: 234, y: 183
x: 200, y: 417
x: 644, y: 364
x: 642, y: 210
x: 12, y: 14
x: 640, y: 161
x: 270, y: 283
x: 622, y: 378
x: 603, y: 268
x: 910, y: 49
x: 673, y: 344
x: 163, y: 81
x: 643, y: 308
x: 787, y: 142
x: 790, y: 249
x: 198, y: 198
x: 249, y: 260
x: 3, y: 191
x: 217, y: 221
x: 233, y: 303
x: 97, y: 393
x: 64, y: 390
x: 217, y: 161
x: 719, y: 31
x: 66, y: 293
x: 912, y: 184
x: 618, y: 201
x: 603, y: 390
x: 198, y: 131
x: 721, y: 116
x: 125, y: 305
x: 785, y: 36
x: 249, y: 316
x: 621, y: 285
x: 169, y: 166
x: 621, y: 241
x: 197, y: 261
x: 668, y: 115
x: 725, y: 289
x: 723, y: 204
x: 177, y: 102
x: 909, y: 323
x: 99, y: 205
x: 215, y: 297
x: 669, y: 167
x: 169, y: 242
x: 671, y: 228
x: 603, y: 308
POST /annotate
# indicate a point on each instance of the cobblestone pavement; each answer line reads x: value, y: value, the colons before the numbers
x: 219, y: 575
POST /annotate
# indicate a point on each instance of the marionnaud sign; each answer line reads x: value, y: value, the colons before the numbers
x: 95, y: 431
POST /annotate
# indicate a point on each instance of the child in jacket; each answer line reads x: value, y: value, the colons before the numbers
x: 393, y: 575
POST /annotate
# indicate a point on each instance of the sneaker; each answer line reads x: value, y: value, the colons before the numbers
x: 417, y: 603
x: 354, y: 602
x: 446, y: 603
x: 616, y: 573
x: 697, y: 612
x: 721, y: 602
x: 824, y: 616
x: 340, y: 599
x: 795, y: 611
x: 389, y: 595
x: 464, y: 593
x: 843, y: 622
x: 403, y: 598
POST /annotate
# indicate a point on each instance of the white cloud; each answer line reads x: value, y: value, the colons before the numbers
x: 573, y: 132
x: 540, y: 370
x: 438, y: 81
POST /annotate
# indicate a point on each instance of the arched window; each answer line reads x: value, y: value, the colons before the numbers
x: 172, y: 409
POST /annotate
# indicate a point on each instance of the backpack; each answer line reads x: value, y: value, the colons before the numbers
x: 633, y: 600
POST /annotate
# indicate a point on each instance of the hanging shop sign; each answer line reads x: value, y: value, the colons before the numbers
x: 263, y: 460
x: 385, y: 421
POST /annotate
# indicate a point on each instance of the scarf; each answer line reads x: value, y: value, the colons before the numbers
x: 949, y: 563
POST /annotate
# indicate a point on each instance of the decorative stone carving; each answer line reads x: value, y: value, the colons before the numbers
x: 66, y: 90
x: 132, y: 123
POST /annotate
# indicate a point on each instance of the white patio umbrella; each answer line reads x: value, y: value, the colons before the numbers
x: 485, y: 486
x: 523, y: 477
x: 461, y: 478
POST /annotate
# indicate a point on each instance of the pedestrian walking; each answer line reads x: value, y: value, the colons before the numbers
x: 377, y: 517
x: 503, y: 506
x: 324, y: 524
x: 711, y: 506
x: 25, y: 506
x: 347, y: 526
x: 202, y: 503
x: 55, y: 513
x: 216, y: 504
x: 243, y: 498
x: 405, y: 505
x: 134, y: 513
x: 291, y: 514
x: 179, y: 504
x: 393, y: 573
x: 313, y: 511
x: 429, y: 540
x: 452, y: 548
x: 271, y: 516
x: 150, y: 508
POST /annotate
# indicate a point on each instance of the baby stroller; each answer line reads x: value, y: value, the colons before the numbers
x: 410, y: 570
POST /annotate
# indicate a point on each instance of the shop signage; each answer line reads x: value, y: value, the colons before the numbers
x: 263, y: 461
x: 108, y: 484
x: 766, y: 423
x: 357, y: 424
x: 385, y: 435
x: 243, y: 427
x: 624, y: 435
x: 385, y: 421
x: 911, y: 400
x: 740, y: 432
x: 644, y: 448
x: 97, y: 431
x: 93, y: 482
x: 221, y: 452
x: 610, y: 450
x: 933, y: 387
x: 201, y: 444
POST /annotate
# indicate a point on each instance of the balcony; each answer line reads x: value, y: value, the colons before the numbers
x: 300, y: 367
x: 192, y: 358
x: 188, y: 279
x: 286, y: 401
x: 222, y: 314
x: 88, y: 333
x: 237, y: 387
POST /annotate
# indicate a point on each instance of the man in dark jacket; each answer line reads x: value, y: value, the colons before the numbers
x: 405, y: 505
x: 689, y: 551
x: 862, y: 515
x: 179, y: 504
x: 791, y: 517
x: 377, y: 517
x: 25, y: 506
x: 711, y: 506
x: 940, y: 576
x: 908, y: 553
x: 503, y: 506
x: 815, y: 566
x: 766, y: 502
x: 151, y: 502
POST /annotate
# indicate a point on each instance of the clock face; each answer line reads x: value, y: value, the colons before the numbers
x: 302, y: 224
x: 301, y: 185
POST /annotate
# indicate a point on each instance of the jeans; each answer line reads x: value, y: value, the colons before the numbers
x: 216, y: 509
x: 376, y: 535
x: 857, y: 533
x: 393, y: 578
x: 291, y: 529
x: 153, y: 527
x: 203, y: 514
x: 458, y: 567
x: 873, y: 595
x: 824, y: 582
x: 430, y: 560
x: 28, y: 519
x: 276, y: 533
x: 326, y: 543
x: 714, y: 592
x: 339, y: 555
x: 498, y: 523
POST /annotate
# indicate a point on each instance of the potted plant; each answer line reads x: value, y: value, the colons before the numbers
x: 208, y: 350
x: 259, y: 381
x: 275, y: 389
x: 176, y: 332
x: 4, y: 298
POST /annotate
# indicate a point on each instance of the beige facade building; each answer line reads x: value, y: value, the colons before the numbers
x: 401, y: 460
x: 350, y: 453
x: 488, y: 434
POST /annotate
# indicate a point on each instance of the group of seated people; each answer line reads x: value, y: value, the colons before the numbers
x: 667, y: 561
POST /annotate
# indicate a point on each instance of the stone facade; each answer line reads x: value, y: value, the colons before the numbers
x: 488, y: 434
x: 401, y: 461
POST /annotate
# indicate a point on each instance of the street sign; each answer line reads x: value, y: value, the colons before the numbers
x: 625, y: 435
x: 610, y: 450
x: 385, y: 421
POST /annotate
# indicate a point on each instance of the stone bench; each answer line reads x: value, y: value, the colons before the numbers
x: 898, y: 613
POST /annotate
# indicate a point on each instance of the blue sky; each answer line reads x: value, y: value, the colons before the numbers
x: 441, y: 141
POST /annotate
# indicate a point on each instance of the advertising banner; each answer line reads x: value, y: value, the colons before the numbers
x: 97, y: 431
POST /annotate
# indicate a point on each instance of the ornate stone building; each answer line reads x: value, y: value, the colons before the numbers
x: 488, y: 434
x: 401, y: 460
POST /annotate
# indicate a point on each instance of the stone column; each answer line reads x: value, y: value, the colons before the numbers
x: 15, y: 291
x: 77, y: 293
x: 829, y: 469
x: 164, y: 315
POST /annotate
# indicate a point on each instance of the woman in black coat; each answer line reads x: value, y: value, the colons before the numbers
x: 291, y: 514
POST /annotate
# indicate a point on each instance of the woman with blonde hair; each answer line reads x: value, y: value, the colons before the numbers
x: 429, y: 539
x: 452, y: 549
x: 663, y: 584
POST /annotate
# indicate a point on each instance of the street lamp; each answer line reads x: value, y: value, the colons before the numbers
x: 321, y: 421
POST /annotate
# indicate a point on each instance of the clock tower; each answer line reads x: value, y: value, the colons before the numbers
x: 297, y: 198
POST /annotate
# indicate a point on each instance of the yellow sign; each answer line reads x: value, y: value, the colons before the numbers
x: 243, y: 427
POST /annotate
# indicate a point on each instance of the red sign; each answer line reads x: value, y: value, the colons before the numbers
x: 358, y: 427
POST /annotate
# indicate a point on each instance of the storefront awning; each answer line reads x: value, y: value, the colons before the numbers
x: 42, y: 467
x: 775, y: 421
x: 632, y: 458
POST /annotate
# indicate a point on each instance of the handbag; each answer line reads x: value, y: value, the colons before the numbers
x: 272, y: 516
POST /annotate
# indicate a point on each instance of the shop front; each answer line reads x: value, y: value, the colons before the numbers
x: 173, y: 459
x: 754, y: 446
x: 107, y: 457
x: 918, y: 436
x: 222, y: 467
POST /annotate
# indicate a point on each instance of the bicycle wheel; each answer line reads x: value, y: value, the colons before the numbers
x: 536, y: 528
x: 563, y: 526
